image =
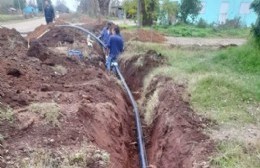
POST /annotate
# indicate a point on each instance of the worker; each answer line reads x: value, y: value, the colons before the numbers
x: 106, y: 32
x: 49, y: 12
x: 114, y: 47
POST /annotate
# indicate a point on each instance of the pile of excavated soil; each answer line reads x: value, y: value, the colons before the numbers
x: 60, y: 108
x: 57, y: 35
x: 144, y: 36
x: 70, y: 39
x: 11, y: 42
x: 38, y: 32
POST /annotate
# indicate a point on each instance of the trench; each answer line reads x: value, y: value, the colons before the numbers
x: 173, y: 137
x: 173, y: 131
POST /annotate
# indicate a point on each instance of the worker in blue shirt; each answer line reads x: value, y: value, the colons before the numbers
x: 106, y: 32
x: 49, y: 12
x: 115, y: 47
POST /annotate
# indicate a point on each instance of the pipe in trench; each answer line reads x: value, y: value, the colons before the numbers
x: 140, y: 139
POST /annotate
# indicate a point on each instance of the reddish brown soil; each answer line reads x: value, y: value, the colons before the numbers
x: 93, y: 106
x: 143, y: 36
x: 11, y: 43
x: 138, y: 66
x: 175, y: 139
x: 176, y: 135
x: 57, y: 35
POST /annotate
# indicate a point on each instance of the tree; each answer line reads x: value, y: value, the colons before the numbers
x: 19, y: 4
x: 150, y: 11
x: 4, y: 5
x: 130, y: 7
x: 169, y: 10
x: 189, y: 8
x: 256, y: 28
x: 94, y: 7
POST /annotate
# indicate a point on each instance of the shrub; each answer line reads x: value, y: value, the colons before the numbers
x: 202, y: 23
x: 256, y: 28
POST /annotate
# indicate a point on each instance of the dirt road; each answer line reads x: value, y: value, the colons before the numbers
x: 26, y: 25
x: 189, y: 41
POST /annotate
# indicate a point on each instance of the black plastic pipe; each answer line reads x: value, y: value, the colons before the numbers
x: 140, y: 139
x: 139, y: 130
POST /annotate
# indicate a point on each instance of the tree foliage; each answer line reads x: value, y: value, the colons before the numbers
x: 149, y: 10
x: 256, y: 28
x: 19, y: 4
x: 94, y: 7
x: 130, y: 7
x: 169, y: 10
x: 189, y: 8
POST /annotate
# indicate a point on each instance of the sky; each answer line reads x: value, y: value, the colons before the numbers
x: 71, y: 4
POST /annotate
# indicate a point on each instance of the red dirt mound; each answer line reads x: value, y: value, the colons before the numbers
x: 143, y: 36
x: 58, y: 35
x: 61, y: 107
x: 176, y: 138
x: 11, y: 42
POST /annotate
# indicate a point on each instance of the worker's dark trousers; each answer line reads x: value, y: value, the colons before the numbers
x: 49, y: 20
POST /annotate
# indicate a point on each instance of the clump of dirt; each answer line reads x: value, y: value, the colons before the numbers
x: 135, y: 68
x: 11, y: 42
x: 52, y: 110
x: 176, y: 136
x: 38, y: 31
x: 143, y: 36
x: 58, y: 35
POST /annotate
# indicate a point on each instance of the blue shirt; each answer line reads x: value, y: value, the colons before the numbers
x: 105, y: 35
x: 115, y: 45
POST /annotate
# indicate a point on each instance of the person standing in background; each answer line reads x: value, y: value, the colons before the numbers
x: 49, y: 12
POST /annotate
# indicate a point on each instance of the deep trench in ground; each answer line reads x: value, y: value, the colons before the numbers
x: 94, y: 106
x: 173, y: 131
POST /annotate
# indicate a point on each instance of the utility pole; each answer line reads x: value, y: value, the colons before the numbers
x: 139, y: 13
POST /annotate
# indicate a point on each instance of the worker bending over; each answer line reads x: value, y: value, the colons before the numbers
x: 115, y: 47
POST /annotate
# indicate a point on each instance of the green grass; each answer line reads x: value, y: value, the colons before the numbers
x: 6, y: 113
x: 223, y: 86
x: 193, y: 31
x: 235, y: 154
x: 49, y: 111
x: 86, y: 156
x: 5, y: 18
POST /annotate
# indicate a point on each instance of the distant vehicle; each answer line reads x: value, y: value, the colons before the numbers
x: 30, y: 11
x: 12, y: 10
x: 61, y: 8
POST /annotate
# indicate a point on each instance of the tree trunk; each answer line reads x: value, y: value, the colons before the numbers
x: 94, y: 7
x: 104, y: 6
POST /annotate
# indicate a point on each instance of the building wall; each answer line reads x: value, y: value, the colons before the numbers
x: 219, y: 10
x: 214, y: 11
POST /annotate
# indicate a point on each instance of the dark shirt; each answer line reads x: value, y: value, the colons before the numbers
x: 105, y: 35
x: 115, y: 45
x: 49, y: 12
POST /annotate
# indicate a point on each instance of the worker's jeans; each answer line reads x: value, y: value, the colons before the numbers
x: 109, y: 61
